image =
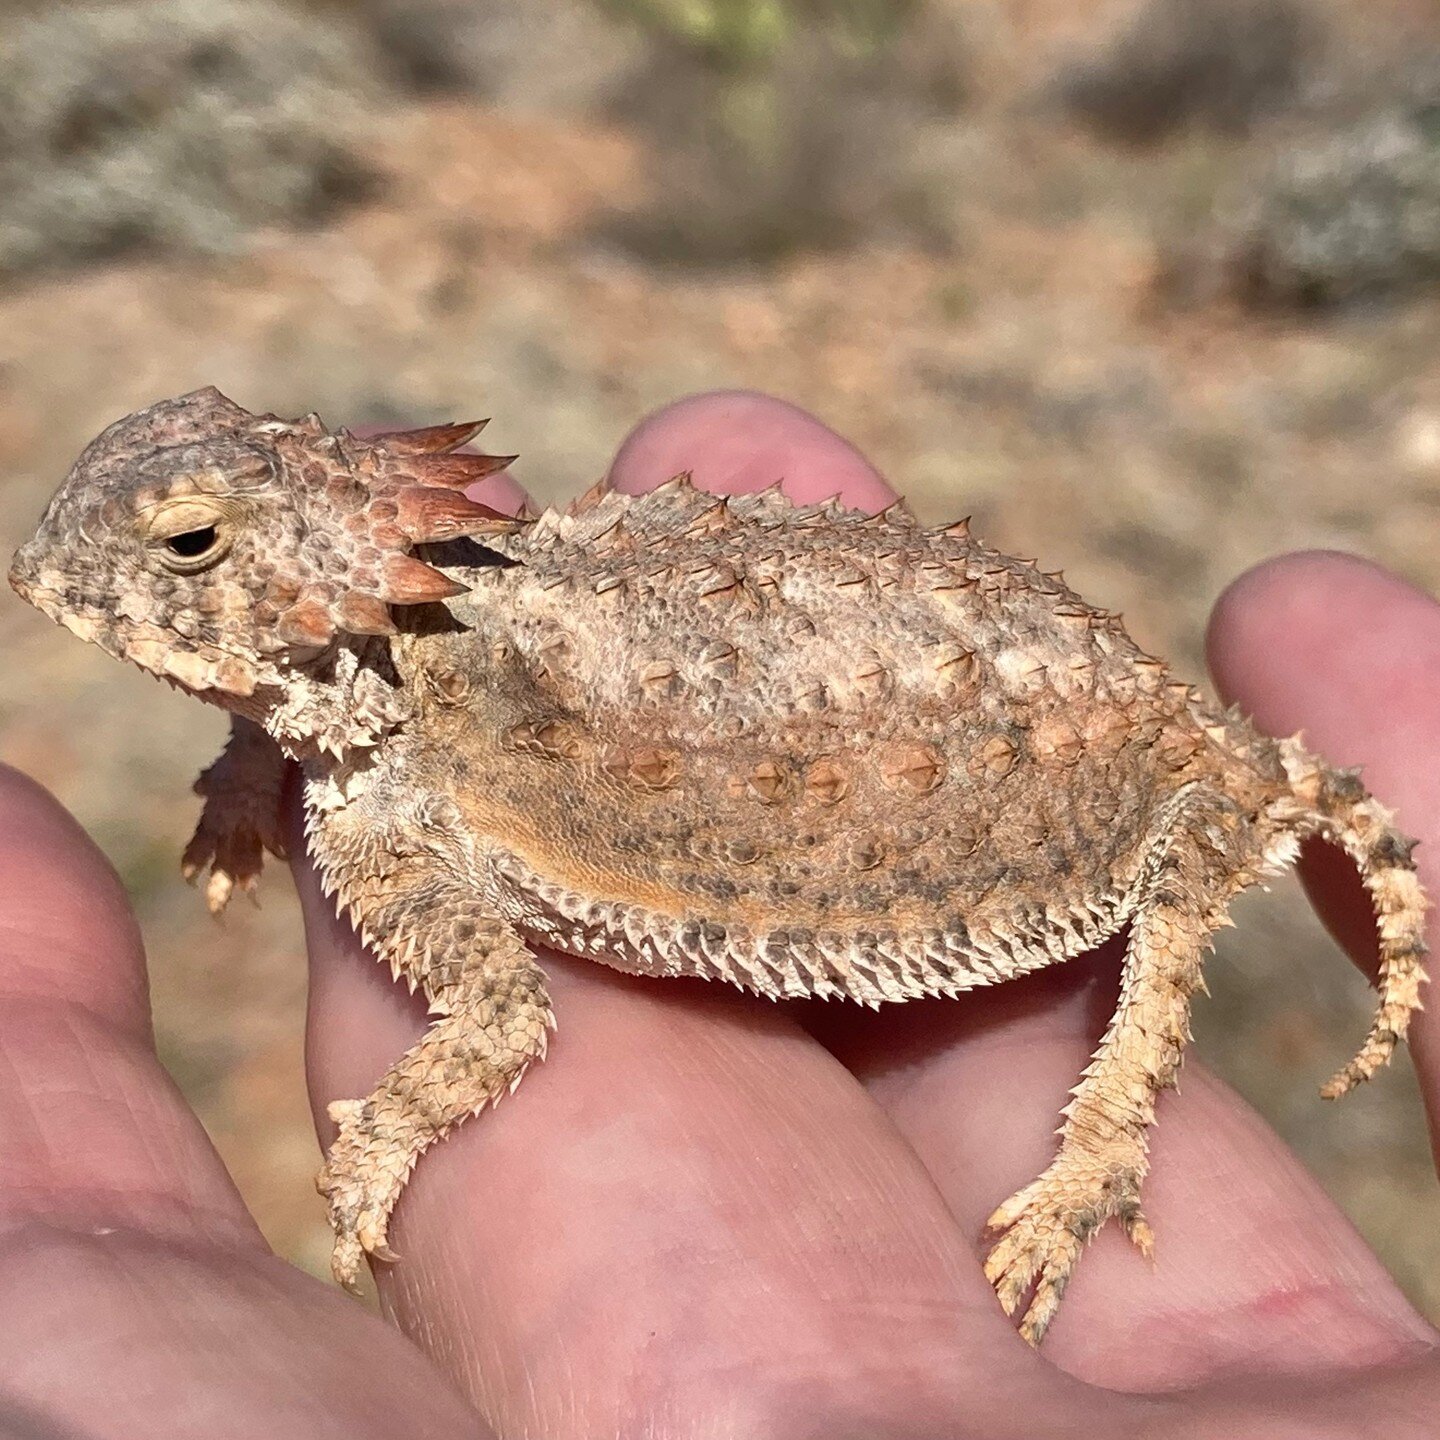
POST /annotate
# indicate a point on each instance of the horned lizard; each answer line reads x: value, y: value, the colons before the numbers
x: 805, y: 751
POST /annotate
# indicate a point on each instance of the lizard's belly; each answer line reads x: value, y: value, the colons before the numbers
x: 871, y: 963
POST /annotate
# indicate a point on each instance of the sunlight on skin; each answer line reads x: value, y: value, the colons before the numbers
x: 136, y: 1285
x: 694, y: 1220
x: 735, y: 442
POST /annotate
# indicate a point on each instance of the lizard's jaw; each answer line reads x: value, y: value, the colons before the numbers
x: 202, y: 669
x: 23, y: 573
x: 91, y: 626
x: 29, y: 581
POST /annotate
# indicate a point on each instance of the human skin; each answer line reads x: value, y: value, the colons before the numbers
x: 705, y: 1216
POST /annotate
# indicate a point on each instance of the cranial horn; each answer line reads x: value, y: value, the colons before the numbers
x: 455, y: 472
x: 431, y: 440
x: 425, y: 514
x: 407, y: 581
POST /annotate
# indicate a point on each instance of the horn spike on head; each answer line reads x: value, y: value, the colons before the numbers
x: 407, y: 581
x: 455, y: 472
x: 425, y: 515
x: 431, y: 439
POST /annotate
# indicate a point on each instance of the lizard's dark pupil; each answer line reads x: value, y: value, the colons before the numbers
x: 192, y: 542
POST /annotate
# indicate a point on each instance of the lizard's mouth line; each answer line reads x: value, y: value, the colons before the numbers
x: 88, y: 623
x: 48, y: 604
x: 201, y: 668
x: 94, y: 625
x: 21, y: 576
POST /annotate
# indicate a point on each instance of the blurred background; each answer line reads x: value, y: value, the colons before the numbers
x: 1150, y: 287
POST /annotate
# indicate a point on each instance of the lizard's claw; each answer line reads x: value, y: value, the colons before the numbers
x: 234, y: 856
x: 236, y: 828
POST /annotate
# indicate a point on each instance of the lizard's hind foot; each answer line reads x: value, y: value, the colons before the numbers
x: 1046, y: 1228
x: 1103, y: 1156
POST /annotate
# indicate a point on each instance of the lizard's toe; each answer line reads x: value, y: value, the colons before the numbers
x: 345, y: 1261
x: 359, y: 1197
x: 1041, y: 1250
x: 1046, y: 1226
x: 234, y: 857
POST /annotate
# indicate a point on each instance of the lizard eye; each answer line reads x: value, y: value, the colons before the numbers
x: 191, y: 542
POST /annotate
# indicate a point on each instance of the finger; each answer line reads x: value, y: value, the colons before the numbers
x: 90, y: 1124
x: 686, y: 1178
x: 501, y: 492
x: 140, y: 1297
x: 735, y: 442
x: 1338, y: 647
x: 116, y: 1332
x: 681, y: 1154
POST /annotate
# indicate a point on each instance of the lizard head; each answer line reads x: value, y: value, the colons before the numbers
x: 225, y: 550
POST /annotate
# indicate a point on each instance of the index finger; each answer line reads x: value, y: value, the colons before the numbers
x: 1350, y: 654
x: 735, y: 442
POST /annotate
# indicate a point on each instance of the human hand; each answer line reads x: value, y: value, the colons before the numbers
x: 699, y: 1218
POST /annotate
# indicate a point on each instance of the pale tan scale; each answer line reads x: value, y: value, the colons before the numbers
x: 827, y: 782
x: 793, y: 749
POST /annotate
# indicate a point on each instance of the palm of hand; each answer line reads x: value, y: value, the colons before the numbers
x: 708, y: 1220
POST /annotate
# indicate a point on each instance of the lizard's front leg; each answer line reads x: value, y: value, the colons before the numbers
x: 242, y: 816
x: 492, y: 1018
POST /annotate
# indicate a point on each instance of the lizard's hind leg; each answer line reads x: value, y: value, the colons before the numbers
x: 1363, y: 827
x: 1103, y: 1154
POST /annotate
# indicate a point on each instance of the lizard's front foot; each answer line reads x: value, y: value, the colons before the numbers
x: 494, y: 1022
x: 242, y: 818
x: 1046, y: 1227
x: 231, y: 844
x: 359, y: 1188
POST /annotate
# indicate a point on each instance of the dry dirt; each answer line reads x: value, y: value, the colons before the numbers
x: 1031, y: 379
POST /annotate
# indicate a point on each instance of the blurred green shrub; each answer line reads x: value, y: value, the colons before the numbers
x: 780, y: 124
x: 1349, y: 215
x: 181, y: 124
x: 739, y: 35
x: 1337, y: 203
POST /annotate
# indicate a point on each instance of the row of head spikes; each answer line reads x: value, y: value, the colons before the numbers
x: 415, y: 486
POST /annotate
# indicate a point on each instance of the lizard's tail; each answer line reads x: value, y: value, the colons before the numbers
x: 1354, y: 819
